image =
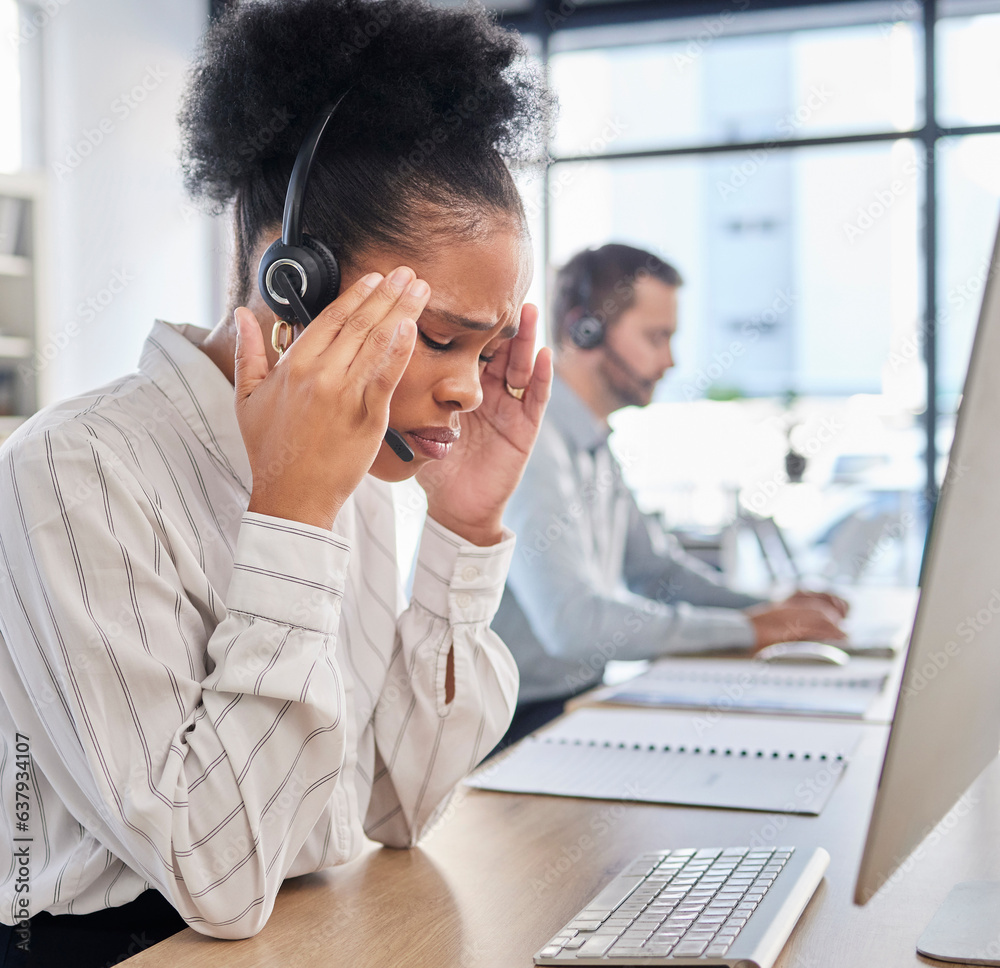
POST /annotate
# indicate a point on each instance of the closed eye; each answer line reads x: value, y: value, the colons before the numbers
x: 443, y: 347
x: 433, y: 344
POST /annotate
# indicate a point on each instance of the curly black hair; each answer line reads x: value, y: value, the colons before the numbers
x: 437, y: 100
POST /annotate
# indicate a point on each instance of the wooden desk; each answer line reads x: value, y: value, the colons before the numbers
x: 502, y: 873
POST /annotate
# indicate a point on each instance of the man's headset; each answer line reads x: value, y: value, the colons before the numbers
x: 298, y: 275
x: 587, y: 331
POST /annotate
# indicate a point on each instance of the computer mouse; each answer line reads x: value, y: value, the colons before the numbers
x: 803, y: 652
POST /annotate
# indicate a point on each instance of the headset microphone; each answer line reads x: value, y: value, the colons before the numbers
x: 298, y: 275
x: 624, y: 365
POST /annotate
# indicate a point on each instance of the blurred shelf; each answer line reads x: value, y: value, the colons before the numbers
x: 14, y: 347
x: 14, y: 265
x: 8, y: 425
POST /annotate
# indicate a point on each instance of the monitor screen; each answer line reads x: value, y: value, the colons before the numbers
x: 946, y: 726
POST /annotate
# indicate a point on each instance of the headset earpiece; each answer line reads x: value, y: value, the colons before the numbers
x: 586, y: 332
x: 298, y: 276
x: 317, y: 270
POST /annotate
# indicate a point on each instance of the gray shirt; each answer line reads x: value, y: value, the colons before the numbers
x: 593, y: 578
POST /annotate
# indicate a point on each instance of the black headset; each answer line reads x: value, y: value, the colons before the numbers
x: 586, y: 331
x: 298, y: 275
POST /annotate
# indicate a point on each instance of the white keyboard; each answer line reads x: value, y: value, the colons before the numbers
x: 713, y: 906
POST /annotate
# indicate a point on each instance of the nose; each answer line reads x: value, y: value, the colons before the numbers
x: 460, y: 387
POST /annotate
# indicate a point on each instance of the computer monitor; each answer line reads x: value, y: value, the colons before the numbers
x: 946, y: 726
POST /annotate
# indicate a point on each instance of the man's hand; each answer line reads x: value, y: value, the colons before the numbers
x: 784, y: 622
x: 821, y: 599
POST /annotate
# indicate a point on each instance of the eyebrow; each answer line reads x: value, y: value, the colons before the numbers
x: 508, y: 332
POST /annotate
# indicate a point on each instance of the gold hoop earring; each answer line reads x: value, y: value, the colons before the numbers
x: 281, y: 336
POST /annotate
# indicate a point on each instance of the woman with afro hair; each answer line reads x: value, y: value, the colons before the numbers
x: 211, y: 679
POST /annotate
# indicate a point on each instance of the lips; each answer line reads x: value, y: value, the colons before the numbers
x: 433, y: 442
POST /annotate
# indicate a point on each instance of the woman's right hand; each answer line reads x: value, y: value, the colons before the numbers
x: 313, y: 423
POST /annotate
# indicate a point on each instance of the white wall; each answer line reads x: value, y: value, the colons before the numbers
x: 125, y: 244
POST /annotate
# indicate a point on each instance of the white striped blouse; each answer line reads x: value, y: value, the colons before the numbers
x: 205, y: 700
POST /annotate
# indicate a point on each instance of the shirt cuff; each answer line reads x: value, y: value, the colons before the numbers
x: 457, y: 580
x: 708, y: 629
x: 289, y: 572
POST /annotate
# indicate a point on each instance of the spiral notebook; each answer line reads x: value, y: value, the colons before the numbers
x: 751, y: 686
x: 661, y: 756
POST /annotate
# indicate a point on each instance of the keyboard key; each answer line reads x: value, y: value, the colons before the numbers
x: 689, y: 949
x: 625, y: 949
x: 573, y: 943
x: 716, y: 950
x: 614, y: 894
x: 595, y: 947
x: 551, y: 951
x: 655, y: 951
x: 584, y: 925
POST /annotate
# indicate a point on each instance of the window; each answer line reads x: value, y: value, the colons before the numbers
x: 781, y: 158
x: 10, y: 87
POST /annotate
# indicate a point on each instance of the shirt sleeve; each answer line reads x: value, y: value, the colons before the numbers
x: 656, y: 566
x: 426, y: 739
x: 561, y: 588
x: 204, y: 776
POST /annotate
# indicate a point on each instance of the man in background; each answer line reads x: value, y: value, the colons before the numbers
x: 593, y: 578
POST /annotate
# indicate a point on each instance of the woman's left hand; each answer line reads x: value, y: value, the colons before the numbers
x: 467, y: 492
